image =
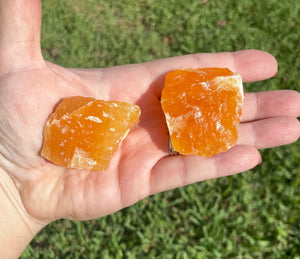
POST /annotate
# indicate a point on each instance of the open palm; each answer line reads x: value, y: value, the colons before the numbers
x: 31, y: 87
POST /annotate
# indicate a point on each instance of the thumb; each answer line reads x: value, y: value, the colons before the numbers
x: 20, y: 29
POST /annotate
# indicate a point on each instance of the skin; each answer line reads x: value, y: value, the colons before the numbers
x: 34, y: 192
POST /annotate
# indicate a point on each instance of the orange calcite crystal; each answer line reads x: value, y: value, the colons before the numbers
x: 84, y: 132
x: 203, y: 109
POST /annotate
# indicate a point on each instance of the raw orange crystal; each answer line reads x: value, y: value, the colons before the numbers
x: 84, y: 132
x: 203, y: 109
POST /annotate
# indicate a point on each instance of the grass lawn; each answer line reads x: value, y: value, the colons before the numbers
x: 252, y: 215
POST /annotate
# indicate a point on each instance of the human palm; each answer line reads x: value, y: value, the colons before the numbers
x: 28, y: 99
x: 31, y: 87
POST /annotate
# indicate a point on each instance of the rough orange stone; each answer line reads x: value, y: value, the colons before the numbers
x: 84, y: 133
x: 203, y: 109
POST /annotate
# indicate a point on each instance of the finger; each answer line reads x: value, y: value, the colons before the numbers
x: 20, y: 29
x: 176, y: 171
x: 269, y: 132
x: 253, y: 65
x: 20, y: 20
x: 270, y: 104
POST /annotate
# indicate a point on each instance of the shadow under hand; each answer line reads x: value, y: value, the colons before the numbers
x: 152, y: 117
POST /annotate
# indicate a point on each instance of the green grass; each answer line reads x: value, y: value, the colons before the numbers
x: 252, y: 215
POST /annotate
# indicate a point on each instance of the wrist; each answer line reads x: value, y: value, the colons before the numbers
x: 17, y: 227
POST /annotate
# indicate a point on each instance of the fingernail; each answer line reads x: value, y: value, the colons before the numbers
x: 275, y: 74
x: 259, y: 161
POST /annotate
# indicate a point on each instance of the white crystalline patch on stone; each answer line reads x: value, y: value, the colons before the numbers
x: 197, y: 114
x: 94, y: 119
x: 176, y: 124
x: 234, y: 81
x: 92, y: 162
x: 182, y: 96
x: 65, y: 117
x: 72, y: 131
x: 55, y: 121
x: 177, y: 78
x: 218, y: 125
x: 61, y: 144
x: 204, y: 85
x: 113, y: 104
x: 64, y: 129
x: 112, y: 129
x: 105, y: 114
x: 80, y: 159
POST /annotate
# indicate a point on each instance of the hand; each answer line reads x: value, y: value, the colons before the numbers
x: 30, y: 88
